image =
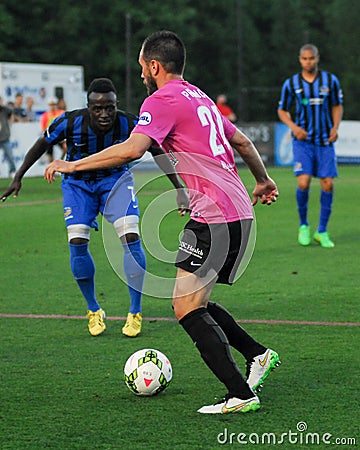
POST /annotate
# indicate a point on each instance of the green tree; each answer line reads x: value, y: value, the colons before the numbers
x: 342, y: 54
x: 244, y: 48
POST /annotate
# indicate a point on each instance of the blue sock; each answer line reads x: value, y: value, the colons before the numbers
x: 302, y: 197
x: 326, y: 199
x: 83, y: 269
x: 134, y: 268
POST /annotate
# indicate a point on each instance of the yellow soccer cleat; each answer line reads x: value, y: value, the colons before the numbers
x: 132, y: 327
x: 96, y: 322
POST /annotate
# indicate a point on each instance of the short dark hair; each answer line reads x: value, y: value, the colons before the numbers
x: 167, y: 48
x: 310, y: 47
x: 101, y: 85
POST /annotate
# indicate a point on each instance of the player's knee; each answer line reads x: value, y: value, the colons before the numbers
x: 182, y: 305
x: 78, y: 234
x: 327, y: 184
x: 78, y: 241
x: 303, y: 184
x: 129, y: 237
x: 127, y: 228
x: 178, y: 309
x: 303, y: 181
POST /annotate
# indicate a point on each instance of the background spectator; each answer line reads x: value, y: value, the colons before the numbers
x: 6, y: 118
x: 30, y: 113
x: 18, y: 111
x: 62, y: 104
x: 221, y: 103
x: 45, y: 121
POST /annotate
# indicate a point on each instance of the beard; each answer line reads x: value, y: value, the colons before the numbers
x: 150, y: 84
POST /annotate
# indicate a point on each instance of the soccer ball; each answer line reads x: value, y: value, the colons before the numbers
x: 147, y: 372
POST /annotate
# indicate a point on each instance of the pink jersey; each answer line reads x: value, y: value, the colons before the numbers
x: 186, y: 123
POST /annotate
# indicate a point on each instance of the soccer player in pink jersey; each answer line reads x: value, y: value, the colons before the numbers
x: 200, y: 141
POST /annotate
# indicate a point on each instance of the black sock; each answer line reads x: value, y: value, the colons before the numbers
x: 214, y: 349
x: 237, y: 336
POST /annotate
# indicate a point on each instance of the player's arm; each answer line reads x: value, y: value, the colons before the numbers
x: 337, y: 113
x: 165, y: 165
x: 119, y: 154
x: 34, y: 153
x: 298, y: 132
x: 265, y: 188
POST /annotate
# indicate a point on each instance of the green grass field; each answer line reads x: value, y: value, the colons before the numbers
x: 62, y: 389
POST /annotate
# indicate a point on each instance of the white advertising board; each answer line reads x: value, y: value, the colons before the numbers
x: 347, y: 147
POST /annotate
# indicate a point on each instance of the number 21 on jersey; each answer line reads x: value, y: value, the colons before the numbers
x: 207, y: 120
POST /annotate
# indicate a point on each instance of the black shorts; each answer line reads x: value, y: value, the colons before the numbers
x: 219, y: 246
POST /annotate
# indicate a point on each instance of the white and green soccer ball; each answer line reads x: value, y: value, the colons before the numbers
x: 147, y: 372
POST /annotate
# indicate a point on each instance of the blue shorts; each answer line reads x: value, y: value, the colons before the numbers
x: 113, y: 196
x: 316, y: 160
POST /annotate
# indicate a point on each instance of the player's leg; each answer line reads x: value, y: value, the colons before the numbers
x: 238, y: 338
x: 79, y: 213
x: 134, y: 262
x: 189, y: 302
x: 123, y: 212
x: 260, y: 360
x: 82, y: 264
x: 302, y: 197
x: 326, y: 172
x: 83, y: 269
x: 190, y: 299
x: 303, y: 168
x: 326, y: 200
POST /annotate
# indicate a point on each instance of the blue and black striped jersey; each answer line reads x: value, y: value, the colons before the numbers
x: 82, y: 140
x: 313, y: 103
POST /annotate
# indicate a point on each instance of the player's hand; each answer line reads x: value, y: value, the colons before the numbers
x: 333, y: 135
x: 300, y: 133
x: 13, y: 188
x: 58, y: 165
x: 183, y: 201
x: 266, y: 191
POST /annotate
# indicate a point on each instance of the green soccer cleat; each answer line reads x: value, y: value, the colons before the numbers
x: 96, y: 322
x: 324, y: 240
x: 132, y: 327
x: 259, y: 368
x: 229, y: 405
x: 304, y: 237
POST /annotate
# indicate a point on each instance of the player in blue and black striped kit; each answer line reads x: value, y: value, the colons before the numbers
x: 318, y: 111
x: 106, y: 191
